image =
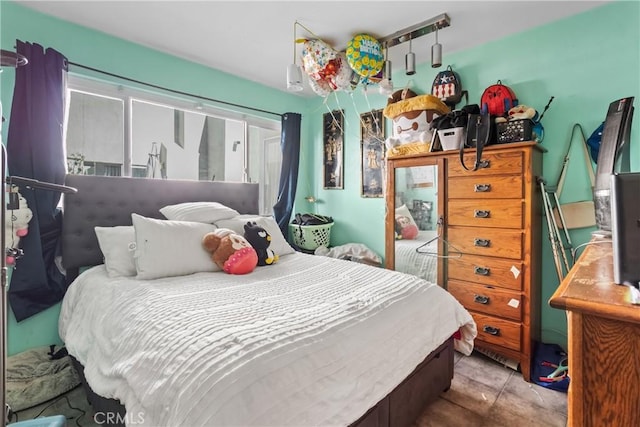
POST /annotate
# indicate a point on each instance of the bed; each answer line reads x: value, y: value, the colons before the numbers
x: 310, y: 340
x: 418, y: 256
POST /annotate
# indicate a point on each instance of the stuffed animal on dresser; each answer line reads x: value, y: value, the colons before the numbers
x: 230, y: 251
x: 260, y: 239
x: 412, y: 115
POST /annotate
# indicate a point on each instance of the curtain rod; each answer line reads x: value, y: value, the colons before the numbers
x: 172, y: 90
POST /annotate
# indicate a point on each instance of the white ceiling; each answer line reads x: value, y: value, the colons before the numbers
x: 254, y: 39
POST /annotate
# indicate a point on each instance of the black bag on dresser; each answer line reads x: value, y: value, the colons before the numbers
x: 481, y: 131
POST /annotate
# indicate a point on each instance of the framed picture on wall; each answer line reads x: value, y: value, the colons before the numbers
x: 372, y: 153
x: 333, y: 149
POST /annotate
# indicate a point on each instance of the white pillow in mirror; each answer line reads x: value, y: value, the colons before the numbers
x: 208, y: 212
x: 117, y: 245
x: 167, y: 248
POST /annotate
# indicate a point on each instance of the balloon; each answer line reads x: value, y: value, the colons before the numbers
x: 364, y: 54
x: 343, y: 80
x: 319, y: 60
x: 320, y: 87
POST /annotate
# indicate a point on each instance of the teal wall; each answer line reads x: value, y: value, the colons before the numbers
x: 101, y: 51
x: 585, y: 62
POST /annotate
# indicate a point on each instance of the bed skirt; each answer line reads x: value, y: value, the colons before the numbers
x: 400, y: 408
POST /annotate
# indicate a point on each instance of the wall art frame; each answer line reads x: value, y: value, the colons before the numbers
x: 333, y: 150
x: 372, y: 154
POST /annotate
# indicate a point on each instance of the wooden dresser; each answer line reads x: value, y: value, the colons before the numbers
x: 492, y: 219
x: 604, y: 342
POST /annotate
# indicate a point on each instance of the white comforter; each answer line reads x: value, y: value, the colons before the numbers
x: 309, y: 341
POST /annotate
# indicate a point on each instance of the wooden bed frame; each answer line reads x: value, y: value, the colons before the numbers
x: 109, y: 201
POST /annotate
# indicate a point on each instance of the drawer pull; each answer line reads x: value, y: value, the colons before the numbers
x: 481, y: 299
x: 482, y: 188
x: 482, y: 214
x: 481, y: 271
x: 484, y: 243
x: 484, y: 164
x: 491, y: 330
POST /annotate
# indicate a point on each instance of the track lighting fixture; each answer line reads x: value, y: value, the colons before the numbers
x: 410, y: 61
x: 409, y: 33
x: 294, y: 71
x: 386, y: 85
x: 436, y: 52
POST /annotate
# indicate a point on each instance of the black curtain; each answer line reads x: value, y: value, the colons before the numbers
x: 290, y: 146
x: 35, y: 149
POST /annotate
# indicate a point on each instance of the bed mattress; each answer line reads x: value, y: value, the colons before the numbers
x: 310, y: 340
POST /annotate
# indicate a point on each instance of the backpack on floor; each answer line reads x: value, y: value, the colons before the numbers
x: 448, y: 88
x: 497, y: 100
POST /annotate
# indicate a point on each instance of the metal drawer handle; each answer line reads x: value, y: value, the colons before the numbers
x: 482, y: 188
x: 482, y: 214
x: 481, y: 271
x: 484, y: 164
x: 481, y: 299
x: 482, y: 242
x: 491, y: 330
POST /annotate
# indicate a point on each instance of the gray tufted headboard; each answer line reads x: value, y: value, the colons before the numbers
x: 110, y: 201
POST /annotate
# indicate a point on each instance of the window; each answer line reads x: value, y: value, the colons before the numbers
x: 117, y: 131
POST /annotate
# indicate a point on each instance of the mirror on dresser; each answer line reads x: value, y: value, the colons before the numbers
x: 414, y: 204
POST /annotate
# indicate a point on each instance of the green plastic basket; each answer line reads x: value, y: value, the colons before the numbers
x: 311, y: 236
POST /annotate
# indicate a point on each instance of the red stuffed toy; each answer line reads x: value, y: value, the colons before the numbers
x: 230, y: 251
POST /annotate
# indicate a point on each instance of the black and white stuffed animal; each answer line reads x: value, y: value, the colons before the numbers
x: 260, y: 239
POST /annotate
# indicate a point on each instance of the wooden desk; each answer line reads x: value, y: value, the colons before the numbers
x: 604, y: 342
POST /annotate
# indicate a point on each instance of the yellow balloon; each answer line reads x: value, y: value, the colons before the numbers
x: 364, y: 55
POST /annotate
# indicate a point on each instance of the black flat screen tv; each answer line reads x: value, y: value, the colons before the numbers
x: 612, y: 157
x: 625, y: 227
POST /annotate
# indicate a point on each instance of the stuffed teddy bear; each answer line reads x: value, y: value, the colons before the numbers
x: 519, y: 112
x: 412, y: 115
x: 230, y: 251
x: 405, y: 228
x: 16, y: 225
x: 260, y: 239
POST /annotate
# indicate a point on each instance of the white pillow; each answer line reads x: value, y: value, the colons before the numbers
x: 170, y: 248
x: 279, y: 244
x: 117, y: 245
x: 208, y: 212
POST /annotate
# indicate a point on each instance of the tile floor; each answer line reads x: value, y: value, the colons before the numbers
x: 486, y: 394
x: 483, y: 394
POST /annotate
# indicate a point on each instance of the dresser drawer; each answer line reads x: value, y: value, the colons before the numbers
x: 486, y: 187
x: 502, y: 213
x: 504, y: 163
x: 504, y: 333
x: 486, y: 241
x: 487, y: 300
x: 498, y: 272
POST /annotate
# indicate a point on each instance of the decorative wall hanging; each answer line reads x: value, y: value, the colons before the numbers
x: 333, y: 149
x: 372, y: 149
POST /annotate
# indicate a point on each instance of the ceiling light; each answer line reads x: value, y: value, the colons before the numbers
x: 294, y: 71
x: 410, y: 61
x: 418, y: 30
x: 436, y: 52
x: 386, y: 85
